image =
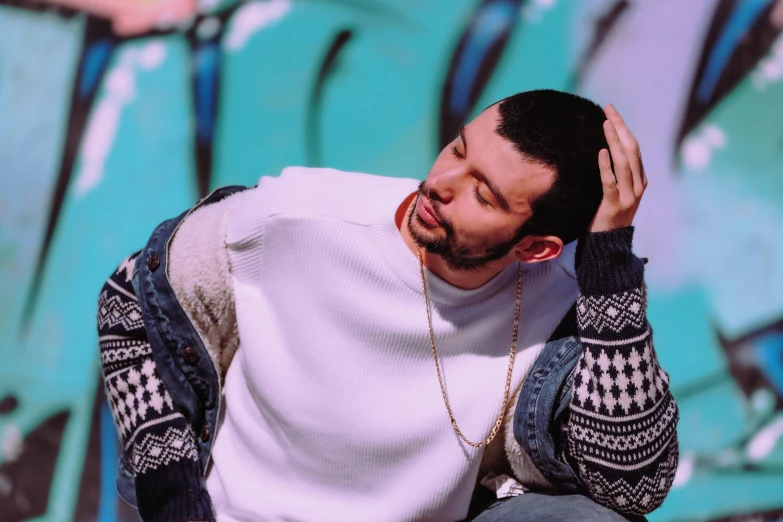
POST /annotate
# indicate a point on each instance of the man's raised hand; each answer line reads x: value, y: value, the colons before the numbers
x: 623, y: 187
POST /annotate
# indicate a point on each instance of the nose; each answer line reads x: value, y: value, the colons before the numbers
x: 443, y: 186
x: 438, y: 195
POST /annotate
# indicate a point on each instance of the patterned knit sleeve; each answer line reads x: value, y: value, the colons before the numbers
x: 621, y: 428
x: 158, y: 443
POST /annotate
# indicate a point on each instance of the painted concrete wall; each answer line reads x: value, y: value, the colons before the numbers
x: 102, y: 137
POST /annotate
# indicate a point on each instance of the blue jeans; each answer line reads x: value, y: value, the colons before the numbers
x: 535, y: 507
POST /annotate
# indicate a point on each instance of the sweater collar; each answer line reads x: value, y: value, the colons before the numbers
x: 404, y: 264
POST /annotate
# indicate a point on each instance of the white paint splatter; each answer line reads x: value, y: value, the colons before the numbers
x: 121, y: 84
x: 120, y: 91
x: 97, y: 143
x: 208, y: 28
x: 696, y: 153
x: 684, y: 470
x: 251, y: 18
x: 762, y: 400
x: 12, y: 444
x: 534, y: 12
x: 151, y: 56
x: 765, y: 440
x: 770, y: 68
x: 714, y: 136
x: 698, y: 148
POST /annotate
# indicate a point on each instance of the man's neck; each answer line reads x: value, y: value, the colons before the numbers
x: 465, y: 279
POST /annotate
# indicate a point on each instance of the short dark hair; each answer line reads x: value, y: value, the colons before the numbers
x: 565, y: 132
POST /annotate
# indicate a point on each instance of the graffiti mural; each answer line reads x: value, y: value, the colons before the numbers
x: 116, y: 119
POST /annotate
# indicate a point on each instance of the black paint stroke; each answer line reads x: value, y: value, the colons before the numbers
x: 748, y: 364
x: 8, y: 404
x: 313, y: 115
x: 752, y: 47
x: 81, y: 103
x: 97, y: 33
x: 88, y: 497
x: 31, y: 474
x: 206, y: 64
x: 377, y: 10
x: 604, y: 26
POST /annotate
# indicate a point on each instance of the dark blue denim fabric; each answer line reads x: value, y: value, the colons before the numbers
x: 544, y: 398
x: 195, y: 388
x: 534, y: 507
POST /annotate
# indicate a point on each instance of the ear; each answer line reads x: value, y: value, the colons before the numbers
x: 534, y: 249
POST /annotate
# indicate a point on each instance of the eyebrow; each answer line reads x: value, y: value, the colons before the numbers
x: 464, y: 141
x: 501, y: 199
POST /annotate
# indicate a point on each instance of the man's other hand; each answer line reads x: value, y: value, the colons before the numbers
x: 623, y: 186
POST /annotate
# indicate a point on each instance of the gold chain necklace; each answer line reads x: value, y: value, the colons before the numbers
x: 511, y: 356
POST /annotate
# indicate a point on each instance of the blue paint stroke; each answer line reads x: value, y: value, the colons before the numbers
x: 742, y: 18
x: 95, y: 61
x: 207, y: 69
x: 491, y: 24
x: 107, y: 503
x: 769, y: 351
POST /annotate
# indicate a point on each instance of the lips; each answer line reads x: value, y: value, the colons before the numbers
x: 425, y: 212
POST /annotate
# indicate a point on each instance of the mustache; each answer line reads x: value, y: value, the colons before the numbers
x: 435, y: 204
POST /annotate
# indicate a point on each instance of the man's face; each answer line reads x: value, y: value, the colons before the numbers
x: 476, y: 196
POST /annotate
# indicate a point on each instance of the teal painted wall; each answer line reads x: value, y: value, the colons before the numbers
x: 699, y: 82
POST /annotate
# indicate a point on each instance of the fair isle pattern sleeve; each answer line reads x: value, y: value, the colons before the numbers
x: 621, y: 430
x: 157, y: 440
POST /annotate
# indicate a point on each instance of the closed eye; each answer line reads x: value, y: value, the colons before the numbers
x: 480, y: 199
x: 456, y: 153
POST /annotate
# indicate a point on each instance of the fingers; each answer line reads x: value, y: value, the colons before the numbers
x: 622, y: 167
x: 608, y: 180
x: 631, y: 148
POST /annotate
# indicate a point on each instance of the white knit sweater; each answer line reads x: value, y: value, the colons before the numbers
x: 332, y: 409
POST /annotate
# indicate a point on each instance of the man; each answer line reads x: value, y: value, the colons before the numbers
x: 359, y: 341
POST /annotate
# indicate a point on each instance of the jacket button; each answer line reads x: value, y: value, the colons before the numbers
x: 190, y: 356
x: 153, y: 262
x: 204, y: 434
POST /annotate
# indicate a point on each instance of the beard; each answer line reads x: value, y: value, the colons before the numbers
x: 458, y: 255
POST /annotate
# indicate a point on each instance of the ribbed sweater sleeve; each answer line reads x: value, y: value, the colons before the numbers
x: 621, y: 430
x: 158, y: 443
